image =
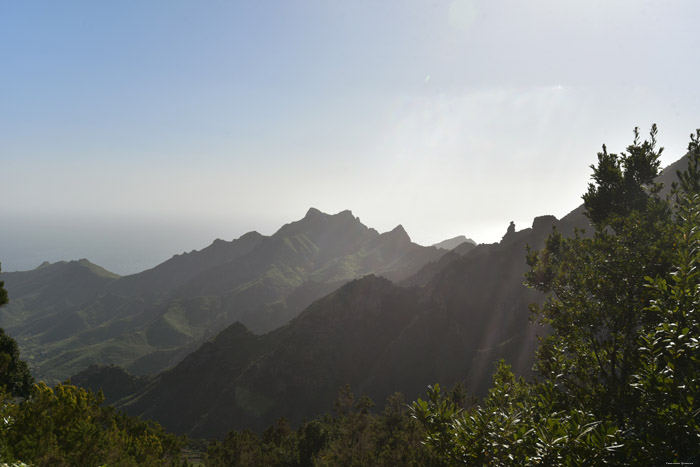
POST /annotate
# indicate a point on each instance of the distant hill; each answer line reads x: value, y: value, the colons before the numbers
x: 452, y: 243
x: 51, y: 288
x: 68, y: 316
x: 668, y: 174
x: 180, y: 269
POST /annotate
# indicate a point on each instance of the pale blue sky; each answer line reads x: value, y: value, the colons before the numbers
x: 133, y: 130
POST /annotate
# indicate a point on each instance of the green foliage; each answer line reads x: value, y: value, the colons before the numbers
x: 619, y: 375
x: 67, y: 425
x: 623, y: 182
x: 14, y: 373
x: 668, y: 381
x: 597, y: 295
x: 516, y: 424
x: 354, y: 437
x: 3, y: 293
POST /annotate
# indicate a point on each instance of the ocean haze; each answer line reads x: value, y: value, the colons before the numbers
x: 123, y: 246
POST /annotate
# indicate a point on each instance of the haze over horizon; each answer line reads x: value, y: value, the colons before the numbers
x: 132, y: 131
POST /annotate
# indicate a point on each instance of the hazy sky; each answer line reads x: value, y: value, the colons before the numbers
x: 133, y: 130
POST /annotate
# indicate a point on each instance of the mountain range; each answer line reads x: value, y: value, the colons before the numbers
x: 69, y: 315
x: 448, y: 322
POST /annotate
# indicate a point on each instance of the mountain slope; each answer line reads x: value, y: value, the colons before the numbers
x: 243, y: 377
x: 49, y: 288
x: 181, y: 269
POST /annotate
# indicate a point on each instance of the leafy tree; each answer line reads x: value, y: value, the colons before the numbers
x: 668, y: 419
x: 3, y: 292
x: 623, y: 182
x: 619, y: 376
x: 240, y: 448
x: 597, y: 298
x: 516, y: 424
x: 14, y: 373
x: 15, y: 376
x: 668, y: 379
x: 313, y: 437
x: 67, y: 425
x: 354, y: 437
x: 358, y: 437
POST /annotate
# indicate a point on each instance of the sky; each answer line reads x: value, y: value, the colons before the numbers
x: 134, y: 130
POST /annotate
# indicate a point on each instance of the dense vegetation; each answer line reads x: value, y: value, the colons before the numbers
x: 15, y: 377
x: 67, y: 425
x: 353, y: 437
x: 618, y: 378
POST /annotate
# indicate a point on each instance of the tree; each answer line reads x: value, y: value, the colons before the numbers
x: 14, y: 373
x: 3, y: 292
x: 354, y: 437
x: 668, y: 420
x: 518, y: 423
x: 67, y: 425
x: 623, y: 182
x: 619, y: 376
x: 597, y: 294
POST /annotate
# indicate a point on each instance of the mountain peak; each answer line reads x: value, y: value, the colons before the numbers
x: 252, y: 234
x: 543, y: 222
x: 312, y: 212
x: 95, y: 269
x: 316, y: 222
x: 400, y: 233
x: 452, y: 243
